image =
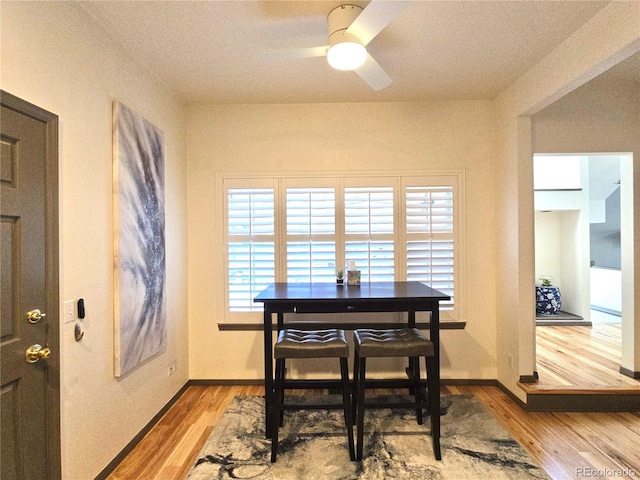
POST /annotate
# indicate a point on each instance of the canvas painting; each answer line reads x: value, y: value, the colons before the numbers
x: 140, y: 265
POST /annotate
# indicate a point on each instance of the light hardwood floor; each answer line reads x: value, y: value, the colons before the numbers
x: 581, y: 358
x: 566, y: 445
x: 563, y: 443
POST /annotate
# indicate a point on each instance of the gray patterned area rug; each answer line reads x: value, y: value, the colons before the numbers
x: 313, y: 445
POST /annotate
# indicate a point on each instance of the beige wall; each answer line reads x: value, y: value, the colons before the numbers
x: 433, y: 136
x: 55, y: 57
x: 608, y: 38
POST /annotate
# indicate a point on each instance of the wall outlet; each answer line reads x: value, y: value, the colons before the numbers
x: 171, y: 369
x: 510, y: 361
x: 69, y: 311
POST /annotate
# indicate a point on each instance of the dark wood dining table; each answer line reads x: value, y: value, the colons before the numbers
x: 292, y: 298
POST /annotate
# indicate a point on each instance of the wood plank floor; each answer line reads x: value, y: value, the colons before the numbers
x: 568, y: 357
x: 581, y: 358
x: 566, y: 445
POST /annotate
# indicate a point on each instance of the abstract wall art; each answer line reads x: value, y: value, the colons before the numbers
x: 140, y: 323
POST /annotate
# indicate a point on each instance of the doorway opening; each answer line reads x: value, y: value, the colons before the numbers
x: 579, y: 225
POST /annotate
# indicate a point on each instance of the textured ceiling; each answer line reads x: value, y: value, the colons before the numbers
x: 227, y: 52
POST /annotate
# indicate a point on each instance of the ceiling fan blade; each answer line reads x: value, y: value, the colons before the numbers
x: 372, y: 73
x: 297, y: 53
x: 377, y: 15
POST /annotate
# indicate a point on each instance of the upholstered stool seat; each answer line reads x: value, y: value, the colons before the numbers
x: 329, y: 343
x: 402, y: 342
x: 311, y: 344
x: 406, y: 342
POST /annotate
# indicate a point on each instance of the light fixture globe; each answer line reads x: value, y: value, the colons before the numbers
x: 346, y: 55
x: 345, y: 52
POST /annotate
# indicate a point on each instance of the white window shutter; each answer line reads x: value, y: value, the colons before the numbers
x: 369, y: 231
x: 311, y: 234
x: 251, y: 245
x: 301, y: 229
x: 430, y: 237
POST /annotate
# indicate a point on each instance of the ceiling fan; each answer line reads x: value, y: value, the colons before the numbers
x: 351, y: 28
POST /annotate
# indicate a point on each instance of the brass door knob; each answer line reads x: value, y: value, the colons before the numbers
x: 36, y: 352
x: 34, y: 316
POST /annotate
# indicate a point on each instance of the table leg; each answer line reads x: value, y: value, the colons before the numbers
x: 411, y: 323
x: 434, y: 336
x: 268, y: 371
x: 434, y: 333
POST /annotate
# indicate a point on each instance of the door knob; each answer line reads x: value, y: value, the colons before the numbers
x: 36, y: 352
x: 34, y: 316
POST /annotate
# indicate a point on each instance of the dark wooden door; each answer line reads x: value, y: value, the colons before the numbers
x: 29, y: 392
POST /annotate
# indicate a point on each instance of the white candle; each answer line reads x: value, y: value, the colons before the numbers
x: 352, y: 264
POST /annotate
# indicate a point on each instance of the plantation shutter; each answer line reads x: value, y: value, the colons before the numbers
x: 369, y: 231
x: 251, y: 245
x: 311, y: 234
x: 303, y: 229
x: 430, y: 236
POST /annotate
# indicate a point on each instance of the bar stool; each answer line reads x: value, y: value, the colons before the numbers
x: 330, y: 343
x: 404, y: 342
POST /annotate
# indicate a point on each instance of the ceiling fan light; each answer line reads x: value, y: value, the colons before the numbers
x: 346, y: 55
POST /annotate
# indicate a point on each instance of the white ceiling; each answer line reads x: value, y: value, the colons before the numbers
x: 226, y: 51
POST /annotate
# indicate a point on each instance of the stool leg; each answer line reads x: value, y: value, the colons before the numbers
x: 360, y: 406
x: 410, y: 371
x: 281, y: 378
x: 415, y: 362
x: 346, y: 400
x: 277, y: 406
x: 434, y: 406
x: 356, y: 371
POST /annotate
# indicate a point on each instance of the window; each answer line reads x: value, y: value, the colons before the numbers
x: 369, y: 226
x: 430, y: 237
x: 304, y: 229
x: 311, y: 234
x: 251, y: 245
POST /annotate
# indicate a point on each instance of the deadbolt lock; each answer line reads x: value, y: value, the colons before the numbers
x: 34, y: 316
x: 36, y: 352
